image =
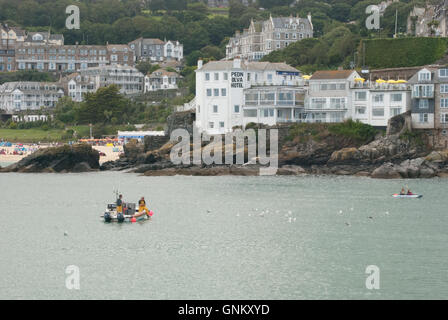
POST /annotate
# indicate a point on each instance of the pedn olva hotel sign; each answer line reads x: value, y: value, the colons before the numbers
x: 237, y: 79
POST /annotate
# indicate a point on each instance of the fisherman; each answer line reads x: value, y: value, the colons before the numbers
x: 402, y: 192
x: 142, y: 207
x: 120, y: 204
x: 410, y: 192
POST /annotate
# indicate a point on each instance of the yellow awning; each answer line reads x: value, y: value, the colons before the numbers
x: 380, y: 81
x: 392, y: 81
x: 401, y: 81
x: 360, y: 79
x: 306, y: 77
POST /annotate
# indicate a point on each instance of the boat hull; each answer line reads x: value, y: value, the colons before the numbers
x: 411, y: 196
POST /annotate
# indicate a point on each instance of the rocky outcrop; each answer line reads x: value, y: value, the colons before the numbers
x: 411, y: 169
x: 75, y: 158
x: 181, y: 120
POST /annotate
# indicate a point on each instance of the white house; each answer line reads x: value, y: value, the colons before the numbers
x: 28, y: 95
x: 376, y: 103
x: 220, y: 91
x: 128, y: 79
x: 162, y: 79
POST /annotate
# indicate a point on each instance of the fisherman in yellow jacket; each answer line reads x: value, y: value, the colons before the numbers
x: 142, y: 207
x: 120, y: 204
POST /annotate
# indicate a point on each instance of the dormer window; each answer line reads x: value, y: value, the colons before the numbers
x: 38, y: 37
x: 424, y: 76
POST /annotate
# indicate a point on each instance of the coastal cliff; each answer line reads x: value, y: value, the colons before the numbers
x: 66, y: 158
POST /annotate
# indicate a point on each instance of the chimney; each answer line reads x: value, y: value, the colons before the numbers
x: 237, y: 63
x: 309, y: 19
x: 200, y: 63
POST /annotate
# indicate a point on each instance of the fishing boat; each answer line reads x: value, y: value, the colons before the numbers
x: 130, y: 214
x: 397, y: 195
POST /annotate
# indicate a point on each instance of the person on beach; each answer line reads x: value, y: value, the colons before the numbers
x: 120, y: 204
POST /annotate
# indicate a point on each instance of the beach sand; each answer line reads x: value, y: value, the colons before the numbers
x: 10, y: 158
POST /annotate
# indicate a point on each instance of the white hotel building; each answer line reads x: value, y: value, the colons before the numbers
x: 233, y: 93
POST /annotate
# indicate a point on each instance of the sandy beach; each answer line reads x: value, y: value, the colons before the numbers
x: 9, y: 157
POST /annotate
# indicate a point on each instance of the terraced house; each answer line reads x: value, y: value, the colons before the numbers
x: 261, y: 38
x: 26, y: 95
x: 430, y: 102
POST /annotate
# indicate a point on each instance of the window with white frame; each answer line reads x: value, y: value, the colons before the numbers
x: 215, y: 109
x: 223, y: 92
x: 443, y: 73
x: 424, y: 76
x: 444, y: 88
x: 226, y: 76
x: 216, y: 76
x: 360, y: 110
x: 396, y: 97
x: 211, y: 124
x: 423, y: 104
x: 444, y: 118
x: 221, y: 124
x: 209, y: 92
x: 395, y: 111
x: 444, y: 103
x: 207, y: 77
x: 378, y: 97
x: 378, y: 112
x: 360, y: 95
x: 216, y: 92
x: 236, y: 108
x: 423, y: 117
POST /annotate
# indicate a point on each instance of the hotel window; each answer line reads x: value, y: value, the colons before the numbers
x: 361, y: 96
x: 444, y: 103
x: 209, y: 92
x: 443, y: 73
x: 221, y: 124
x: 294, y: 35
x: 395, y: 111
x: 360, y: 110
x: 223, y: 92
x: 216, y: 76
x: 423, y: 117
x: 396, y: 97
x: 378, y: 97
x: 216, y: 92
x: 250, y: 113
x: 378, y: 112
x: 215, y: 109
x: 286, y: 35
x: 444, y: 118
x: 236, y: 108
x: 270, y: 77
x: 444, y: 88
x: 423, y: 104
x: 207, y: 77
x: 211, y: 124
x: 226, y: 76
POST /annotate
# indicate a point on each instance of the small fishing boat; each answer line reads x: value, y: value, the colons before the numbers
x: 397, y: 195
x: 130, y: 214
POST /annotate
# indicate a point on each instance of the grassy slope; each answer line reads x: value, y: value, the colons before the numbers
x: 36, y: 134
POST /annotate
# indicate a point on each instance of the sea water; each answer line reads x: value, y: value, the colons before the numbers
x: 222, y: 238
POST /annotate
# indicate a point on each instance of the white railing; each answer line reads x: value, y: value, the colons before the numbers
x: 187, y: 106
